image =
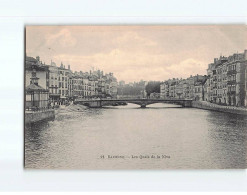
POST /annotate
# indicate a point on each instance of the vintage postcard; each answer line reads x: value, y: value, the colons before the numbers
x: 135, y: 97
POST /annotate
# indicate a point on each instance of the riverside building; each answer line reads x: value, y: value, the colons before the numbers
x: 63, y: 84
x: 227, y: 80
x: 224, y: 84
x: 190, y: 88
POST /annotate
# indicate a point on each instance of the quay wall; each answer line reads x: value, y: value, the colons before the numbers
x: 32, y: 117
x: 219, y: 108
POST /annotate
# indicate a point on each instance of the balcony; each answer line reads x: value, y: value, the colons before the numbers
x: 231, y: 93
x: 231, y: 82
x: 230, y: 72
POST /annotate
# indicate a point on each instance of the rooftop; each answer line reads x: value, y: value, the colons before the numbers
x: 33, y: 87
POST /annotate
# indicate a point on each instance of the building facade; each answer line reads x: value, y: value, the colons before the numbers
x: 64, y: 85
x: 227, y: 76
x: 36, y: 85
x: 34, y: 65
x: 190, y: 88
x: 224, y: 84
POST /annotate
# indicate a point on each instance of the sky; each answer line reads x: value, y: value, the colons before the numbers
x: 135, y: 53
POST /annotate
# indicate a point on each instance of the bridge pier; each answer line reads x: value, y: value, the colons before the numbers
x: 187, y: 104
x: 95, y: 104
x: 143, y: 105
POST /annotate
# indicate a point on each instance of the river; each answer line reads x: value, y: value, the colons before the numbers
x: 161, y: 136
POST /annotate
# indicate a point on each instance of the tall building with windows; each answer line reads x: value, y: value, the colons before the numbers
x: 113, y: 87
x: 85, y: 83
x: 190, y: 88
x: 63, y: 82
x: 54, y: 94
x: 206, y: 89
x: 101, y: 87
x: 227, y: 79
x: 179, y: 89
x: 76, y: 86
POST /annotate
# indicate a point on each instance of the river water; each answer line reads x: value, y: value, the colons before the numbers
x: 160, y: 136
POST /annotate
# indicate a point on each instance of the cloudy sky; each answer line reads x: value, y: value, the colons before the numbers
x: 133, y: 53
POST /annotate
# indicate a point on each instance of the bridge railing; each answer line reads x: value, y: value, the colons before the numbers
x: 128, y: 99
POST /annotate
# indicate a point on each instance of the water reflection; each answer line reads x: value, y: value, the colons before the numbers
x: 192, y: 138
x: 228, y: 136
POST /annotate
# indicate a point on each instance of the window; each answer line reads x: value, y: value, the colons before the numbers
x: 33, y: 74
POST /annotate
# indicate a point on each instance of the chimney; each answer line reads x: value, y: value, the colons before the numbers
x: 69, y: 67
x: 38, y: 58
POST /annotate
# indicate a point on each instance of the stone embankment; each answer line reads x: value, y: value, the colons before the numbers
x: 33, y: 117
x: 215, y: 107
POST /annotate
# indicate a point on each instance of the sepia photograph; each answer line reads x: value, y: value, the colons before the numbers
x: 131, y: 97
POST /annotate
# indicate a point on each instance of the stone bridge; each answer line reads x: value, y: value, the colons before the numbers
x: 98, y: 103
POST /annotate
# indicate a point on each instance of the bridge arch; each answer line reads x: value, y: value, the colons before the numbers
x: 142, y: 102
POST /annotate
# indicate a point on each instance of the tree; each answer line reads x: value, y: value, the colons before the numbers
x: 135, y: 90
x: 152, y: 87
